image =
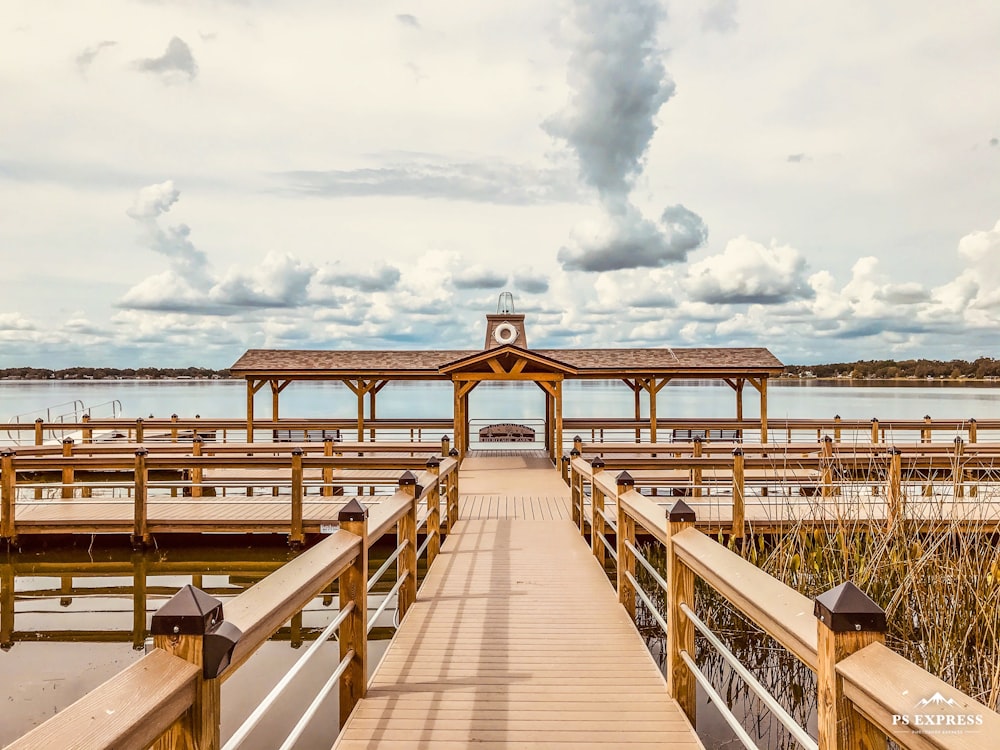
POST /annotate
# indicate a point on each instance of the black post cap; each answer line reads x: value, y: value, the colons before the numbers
x: 574, y: 453
x: 189, y: 612
x: 39, y: 420
x: 328, y: 439
x: 697, y: 439
x: 625, y: 480
x: 827, y: 439
x: 6, y: 453
x: 737, y: 451
x: 446, y: 437
x: 67, y: 441
x: 958, y: 440
x: 680, y: 512
x: 407, y: 479
x: 577, y: 439
x: 847, y: 608
x: 353, y: 511
x: 565, y: 459
x: 297, y: 451
x: 197, y: 439
x: 433, y: 462
x: 141, y: 453
x: 173, y: 416
x: 138, y: 420
x: 895, y: 451
x: 453, y: 452
x: 597, y: 463
x: 836, y: 416
x: 927, y: 416
x: 972, y: 420
x: 874, y: 419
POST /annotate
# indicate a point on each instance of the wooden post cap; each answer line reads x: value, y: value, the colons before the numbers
x: 847, y: 608
x: 574, y: 453
x: 353, y: 511
x: 433, y: 462
x: 189, y: 612
x: 625, y: 480
x: 597, y: 463
x: 408, y: 479
x: 680, y: 512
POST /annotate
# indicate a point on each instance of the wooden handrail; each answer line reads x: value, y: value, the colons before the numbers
x: 128, y: 711
x: 885, y: 687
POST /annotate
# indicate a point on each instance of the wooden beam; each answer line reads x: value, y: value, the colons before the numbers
x: 250, y: 394
x: 536, y: 376
x: 519, y: 366
x: 558, y: 427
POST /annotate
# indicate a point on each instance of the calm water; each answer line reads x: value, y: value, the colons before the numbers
x: 59, y: 654
x: 792, y: 399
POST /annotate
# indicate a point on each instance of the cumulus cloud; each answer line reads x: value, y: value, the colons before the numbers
x: 436, y: 177
x: 747, y: 271
x: 408, y: 19
x: 619, y: 84
x: 628, y: 240
x: 720, y: 15
x: 530, y: 282
x: 174, y: 242
x: 86, y: 58
x: 479, y: 277
x: 378, y: 279
x: 16, y: 322
x: 176, y: 63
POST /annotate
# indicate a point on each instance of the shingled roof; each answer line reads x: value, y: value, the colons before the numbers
x: 426, y: 364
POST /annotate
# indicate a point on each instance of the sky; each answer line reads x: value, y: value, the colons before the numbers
x: 181, y: 180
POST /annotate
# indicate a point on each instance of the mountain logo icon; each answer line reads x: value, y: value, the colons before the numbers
x: 936, y: 700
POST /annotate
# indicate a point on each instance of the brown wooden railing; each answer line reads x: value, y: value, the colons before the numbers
x: 866, y: 692
x: 171, y: 697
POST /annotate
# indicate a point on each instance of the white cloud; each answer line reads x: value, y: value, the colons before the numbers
x: 747, y: 271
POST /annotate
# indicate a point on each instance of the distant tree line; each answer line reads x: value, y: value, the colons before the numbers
x: 984, y: 367
x: 110, y: 373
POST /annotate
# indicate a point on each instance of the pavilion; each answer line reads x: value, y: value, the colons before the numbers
x: 506, y: 356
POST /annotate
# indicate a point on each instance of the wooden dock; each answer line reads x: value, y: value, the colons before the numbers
x: 516, y: 637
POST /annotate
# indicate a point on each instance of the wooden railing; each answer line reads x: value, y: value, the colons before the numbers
x: 866, y: 692
x: 803, y: 473
x: 111, y: 468
x: 171, y: 697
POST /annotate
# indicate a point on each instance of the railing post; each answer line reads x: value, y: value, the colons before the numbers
x: 173, y: 429
x: 327, y: 470
x: 564, y: 469
x: 8, y: 488
x: 67, y: 472
x: 196, y: 472
x: 875, y: 438
x: 826, y: 467
x: 958, y: 470
x: 847, y: 621
x: 894, y: 489
x: 296, y: 535
x: 434, y: 511
x: 88, y: 433
x: 453, y: 511
x: 139, y: 430
x: 624, y: 483
x: 140, y: 531
x: 680, y: 630
x: 597, y: 526
x: 576, y: 491
x: 445, y: 445
x: 972, y: 430
x: 836, y: 428
x: 39, y: 439
x: 406, y: 530
x: 696, y: 478
x: 353, y: 635
x: 181, y: 628
x: 578, y: 444
x: 925, y: 433
x: 739, y: 490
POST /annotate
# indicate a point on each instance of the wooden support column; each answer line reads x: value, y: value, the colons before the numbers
x: 925, y: 433
x: 39, y: 432
x: 179, y: 628
x: 696, y: 477
x: 653, y: 387
x: 296, y: 534
x: 739, y: 490
x: 140, y: 433
x: 847, y: 621
x: 67, y: 472
x: 680, y: 631
x: 637, y: 402
x: 6, y: 605
x: 8, y: 489
x: 252, y: 387
x: 406, y: 531
x: 140, y: 530
x: 461, y: 414
x: 277, y: 386
x: 875, y: 433
x: 434, y: 511
x: 625, y: 533
x: 353, y: 634
x: 196, y: 472
x: 826, y: 468
x: 88, y: 433
x: 958, y: 470
x: 554, y: 405
x: 327, y: 490
x: 836, y: 428
x: 138, y: 600
x: 598, y: 528
x: 894, y: 490
x: 558, y: 446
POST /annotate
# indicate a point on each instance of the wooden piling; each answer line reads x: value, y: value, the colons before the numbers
x: 626, y: 533
x: 406, y: 531
x: 680, y: 630
x: 353, y: 634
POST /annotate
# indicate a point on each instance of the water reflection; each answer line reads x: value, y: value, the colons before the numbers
x: 75, y: 612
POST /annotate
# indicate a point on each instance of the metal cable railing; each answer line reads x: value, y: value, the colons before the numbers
x: 385, y: 602
x: 240, y: 735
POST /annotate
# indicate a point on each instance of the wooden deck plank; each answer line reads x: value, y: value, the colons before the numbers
x: 516, y: 639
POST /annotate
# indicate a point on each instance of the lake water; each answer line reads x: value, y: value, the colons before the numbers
x: 49, y: 666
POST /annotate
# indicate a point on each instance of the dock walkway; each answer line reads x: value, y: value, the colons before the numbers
x: 516, y: 637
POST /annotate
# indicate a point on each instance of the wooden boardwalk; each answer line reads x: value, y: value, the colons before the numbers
x: 516, y: 638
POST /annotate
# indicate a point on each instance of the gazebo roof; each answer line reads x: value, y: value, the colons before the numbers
x: 436, y: 364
